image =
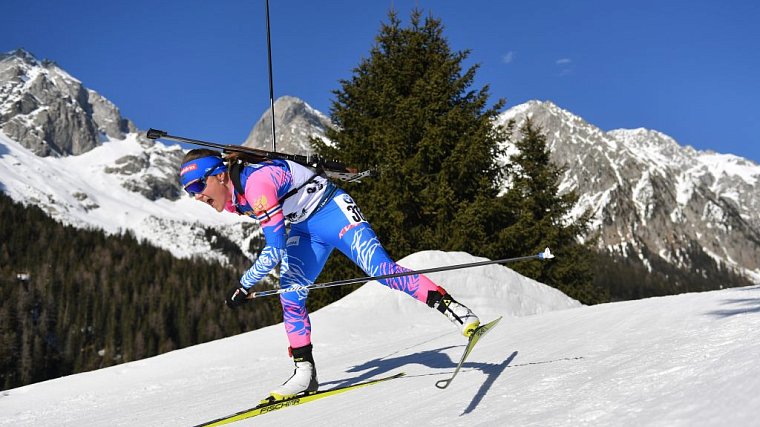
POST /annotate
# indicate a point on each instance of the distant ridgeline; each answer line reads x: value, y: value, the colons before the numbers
x: 73, y: 300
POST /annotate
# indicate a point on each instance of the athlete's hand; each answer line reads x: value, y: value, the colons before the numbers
x: 237, y: 297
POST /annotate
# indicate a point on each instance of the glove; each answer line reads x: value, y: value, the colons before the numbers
x: 237, y: 297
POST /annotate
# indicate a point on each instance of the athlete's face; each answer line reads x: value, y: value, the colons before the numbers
x: 216, y: 194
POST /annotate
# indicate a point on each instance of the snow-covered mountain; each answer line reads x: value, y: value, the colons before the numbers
x: 682, y: 360
x: 653, y: 198
x: 67, y: 150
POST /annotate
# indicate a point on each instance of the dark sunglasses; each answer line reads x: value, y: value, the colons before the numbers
x: 197, y: 186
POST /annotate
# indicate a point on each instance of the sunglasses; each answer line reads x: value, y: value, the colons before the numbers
x: 197, y: 186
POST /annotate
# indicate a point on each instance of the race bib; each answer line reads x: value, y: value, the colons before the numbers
x: 349, y: 209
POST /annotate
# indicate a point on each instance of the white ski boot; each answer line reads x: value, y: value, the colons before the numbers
x: 304, y: 378
x: 459, y: 314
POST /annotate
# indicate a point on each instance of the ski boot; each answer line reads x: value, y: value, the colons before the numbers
x: 304, y: 378
x: 458, y: 313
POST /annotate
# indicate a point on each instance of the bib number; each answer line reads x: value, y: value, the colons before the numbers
x: 349, y: 209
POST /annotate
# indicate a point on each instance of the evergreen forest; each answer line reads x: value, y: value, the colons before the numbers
x: 73, y: 300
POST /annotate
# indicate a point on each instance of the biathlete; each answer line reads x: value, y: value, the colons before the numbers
x: 321, y: 217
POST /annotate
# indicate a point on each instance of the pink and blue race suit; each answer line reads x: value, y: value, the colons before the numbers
x: 322, y: 217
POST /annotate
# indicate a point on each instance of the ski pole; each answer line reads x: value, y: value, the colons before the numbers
x: 546, y: 254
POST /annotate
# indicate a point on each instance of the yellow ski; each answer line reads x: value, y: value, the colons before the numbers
x: 474, y: 338
x: 293, y: 401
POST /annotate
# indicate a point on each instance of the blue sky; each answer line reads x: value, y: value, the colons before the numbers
x: 199, y: 68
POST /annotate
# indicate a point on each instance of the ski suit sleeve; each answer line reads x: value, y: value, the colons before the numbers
x: 261, y: 190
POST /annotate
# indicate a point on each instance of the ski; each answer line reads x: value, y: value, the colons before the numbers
x: 474, y: 338
x: 265, y: 408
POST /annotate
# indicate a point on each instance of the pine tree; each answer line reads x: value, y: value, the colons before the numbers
x: 540, y: 220
x: 410, y: 112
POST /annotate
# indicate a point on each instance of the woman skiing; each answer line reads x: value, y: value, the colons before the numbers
x: 322, y: 217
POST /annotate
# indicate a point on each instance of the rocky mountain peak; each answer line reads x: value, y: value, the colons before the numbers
x: 21, y: 55
x: 652, y: 198
x: 50, y: 112
x: 296, y: 122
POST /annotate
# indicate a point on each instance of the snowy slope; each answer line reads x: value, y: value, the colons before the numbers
x: 84, y: 191
x: 683, y: 360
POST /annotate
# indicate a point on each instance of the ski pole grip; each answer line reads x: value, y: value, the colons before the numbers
x: 155, y: 133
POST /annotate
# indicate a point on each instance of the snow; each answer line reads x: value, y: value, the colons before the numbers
x: 77, y: 191
x: 680, y: 360
x: 731, y: 165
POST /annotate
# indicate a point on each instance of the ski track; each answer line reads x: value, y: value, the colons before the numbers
x: 681, y: 360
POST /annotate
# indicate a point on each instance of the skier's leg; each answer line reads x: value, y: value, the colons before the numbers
x: 342, y: 225
x: 304, y: 260
x: 363, y: 247
x: 367, y: 252
x: 345, y: 228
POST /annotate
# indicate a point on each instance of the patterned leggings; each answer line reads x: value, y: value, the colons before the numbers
x: 339, y: 224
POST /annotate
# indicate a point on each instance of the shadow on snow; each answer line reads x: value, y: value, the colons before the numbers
x: 738, y: 306
x: 436, y: 359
